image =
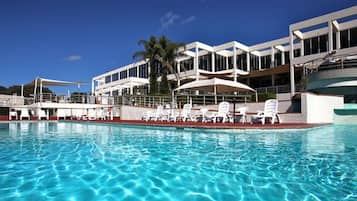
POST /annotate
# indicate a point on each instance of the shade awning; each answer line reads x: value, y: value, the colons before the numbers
x: 216, y: 84
x: 50, y: 82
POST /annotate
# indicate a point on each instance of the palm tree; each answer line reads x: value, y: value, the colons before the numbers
x: 150, y: 53
x: 168, y: 54
x: 159, y: 51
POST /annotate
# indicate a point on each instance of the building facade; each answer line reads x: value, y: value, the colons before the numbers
x: 312, y: 47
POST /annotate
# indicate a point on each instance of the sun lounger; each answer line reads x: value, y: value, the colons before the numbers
x: 24, y: 114
x: 270, y: 112
x: 42, y: 115
x: 223, y: 112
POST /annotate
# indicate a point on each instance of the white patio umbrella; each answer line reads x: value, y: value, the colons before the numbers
x: 216, y: 85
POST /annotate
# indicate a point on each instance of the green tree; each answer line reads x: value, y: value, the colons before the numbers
x: 28, y: 90
x: 168, y: 54
x: 151, y: 53
x: 159, y: 51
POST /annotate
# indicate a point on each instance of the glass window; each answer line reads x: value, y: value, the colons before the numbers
x: 353, y: 37
x: 297, y: 53
x: 108, y: 79
x: 220, y: 62
x: 230, y: 62
x: 254, y: 62
x: 123, y: 74
x: 307, y: 46
x: 204, y: 62
x: 334, y: 40
x: 266, y: 61
x: 344, y: 39
x: 143, y: 71
x: 115, y: 77
x: 287, y: 57
x: 314, y: 45
x: 277, y: 58
x: 323, y: 43
x: 186, y: 65
x: 132, y: 72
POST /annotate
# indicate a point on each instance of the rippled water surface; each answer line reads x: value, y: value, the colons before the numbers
x: 85, y: 161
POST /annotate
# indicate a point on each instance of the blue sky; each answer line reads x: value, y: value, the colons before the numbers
x: 76, y: 40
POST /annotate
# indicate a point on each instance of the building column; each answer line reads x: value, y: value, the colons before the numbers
x: 235, y: 64
x: 178, y: 66
x: 260, y: 63
x: 338, y: 40
x: 272, y: 57
x: 227, y: 66
x: 330, y: 36
x: 213, y: 62
x: 302, y: 52
x: 149, y: 76
x: 131, y: 90
x: 137, y: 71
x: 273, y: 80
x: 292, y: 74
x: 248, y: 62
x: 282, y: 57
x: 93, y: 87
x: 195, y: 63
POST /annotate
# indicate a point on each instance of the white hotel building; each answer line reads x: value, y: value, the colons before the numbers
x: 323, y: 48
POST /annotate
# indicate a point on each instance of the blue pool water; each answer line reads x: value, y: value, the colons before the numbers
x: 85, y: 161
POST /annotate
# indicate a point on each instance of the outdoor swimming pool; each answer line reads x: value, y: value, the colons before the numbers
x: 86, y: 161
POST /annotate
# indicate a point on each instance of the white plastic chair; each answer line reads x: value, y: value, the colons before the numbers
x: 174, y: 115
x: 12, y: 114
x: 242, y: 112
x: 61, y: 113
x: 24, y: 114
x: 42, y: 114
x: 223, y: 111
x: 77, y: 114
x: 92, y: 114
x: 157, y: 115
x: 270, y: 112
x: 101, y: 114
x: 186, y: 113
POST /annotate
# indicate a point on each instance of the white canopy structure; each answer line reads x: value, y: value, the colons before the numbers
x: 216, y: 85
x: 49, y: 82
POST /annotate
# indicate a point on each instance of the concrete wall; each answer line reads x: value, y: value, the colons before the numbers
x: 314, y: 109
x: 320, y: 108
x: 10, y: 100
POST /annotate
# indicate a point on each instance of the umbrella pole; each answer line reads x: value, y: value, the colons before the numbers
x: 256, y: 96
x: 34, y: 91
x: 215, y: 94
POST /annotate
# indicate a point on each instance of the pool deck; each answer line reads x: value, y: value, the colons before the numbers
x: 189, y: 124
x: 209, y: 125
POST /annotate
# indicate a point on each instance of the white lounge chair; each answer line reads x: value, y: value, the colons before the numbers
x: 174, y: 115
x: 270, y: 112
x: 101, y: 114
x: 242, y: 113
x: 147, y: 115
x: 92, y: 114
x: 24, y: 114
x: 13, y: 114
x: 223, y: 112
x: 157, y: 115
x: 77, y: 114
x: 42, y: 114
x: 61, y: 113
x: 186, y: 113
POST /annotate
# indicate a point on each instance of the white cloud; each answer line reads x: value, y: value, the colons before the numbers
x: 168, y: 19
x: 73, y: 58
x: 188, y: 20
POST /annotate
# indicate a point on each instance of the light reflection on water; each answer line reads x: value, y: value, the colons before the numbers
x: 85, y: 161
